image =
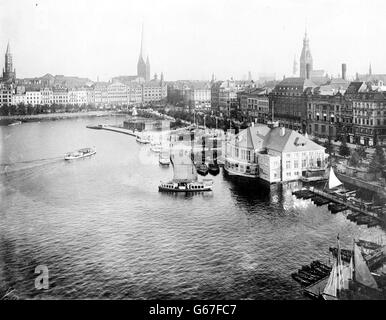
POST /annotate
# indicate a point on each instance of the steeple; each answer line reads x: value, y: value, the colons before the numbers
x: 305, y: 57
x: 8, y: 49
x: 143, y: 68
x: 370, y: 71
x: 9, y: 73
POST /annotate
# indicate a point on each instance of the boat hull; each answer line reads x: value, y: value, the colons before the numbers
x: 79, y: 157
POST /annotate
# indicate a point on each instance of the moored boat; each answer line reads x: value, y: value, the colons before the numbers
x: 81, y: 153
x: 214, y: 169
x: 202, y: 169
x: 141, y: 138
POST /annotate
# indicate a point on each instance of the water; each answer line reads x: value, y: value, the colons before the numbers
x: 104, y: 231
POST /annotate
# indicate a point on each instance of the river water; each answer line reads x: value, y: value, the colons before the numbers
x: 104, y: 231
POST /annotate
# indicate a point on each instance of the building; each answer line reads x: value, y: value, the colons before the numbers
x: 9, y: 73
x: 33, y: 98
x: 154, y: 91
x: 328, y: 112
x: 117, y: 94
x: 60, y: 96
x: 272, y: 153
x: 47, y: 96
x: 6, y: 93
x: 288, y: 102
x: 197, y: 95
x: 368, y: 113
x: 77, y: 97
x: 254, y: 104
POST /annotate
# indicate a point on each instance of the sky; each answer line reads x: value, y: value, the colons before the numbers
x: 191, y: 39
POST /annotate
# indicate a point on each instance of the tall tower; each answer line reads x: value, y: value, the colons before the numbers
x: 370, y: 71
x: 143, y: 68
x: 9, y: 75
x: 306, y: 57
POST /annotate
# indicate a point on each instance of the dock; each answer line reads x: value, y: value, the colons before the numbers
x: 360, y: 212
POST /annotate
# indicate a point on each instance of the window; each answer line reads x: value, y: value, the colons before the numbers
x: 296, y: 164
x: 288, y: 164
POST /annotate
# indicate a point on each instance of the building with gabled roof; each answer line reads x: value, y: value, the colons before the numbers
x: 272, y: 153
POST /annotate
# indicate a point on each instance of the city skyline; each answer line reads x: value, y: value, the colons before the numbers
x: 188, y: 42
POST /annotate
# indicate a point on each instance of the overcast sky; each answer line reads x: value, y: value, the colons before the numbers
x: 191, y: 39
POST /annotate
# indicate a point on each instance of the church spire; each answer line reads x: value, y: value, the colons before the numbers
x: 305, y: 57
x: 8, y: 49
x: 370, y: 71
x: 143, y: 68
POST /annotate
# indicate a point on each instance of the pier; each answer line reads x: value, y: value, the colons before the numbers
x: 360, y: 212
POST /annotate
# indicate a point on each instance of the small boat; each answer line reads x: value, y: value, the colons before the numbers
x: 143, y: 139
x: 214, y: 169
x: 202, y: 169
x: 14, y: 123
x: 164, y: 158
x: 186, y: 186
x: 81, y: 153
x: 155, y: 147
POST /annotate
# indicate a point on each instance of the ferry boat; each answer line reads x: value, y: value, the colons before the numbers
x: 185, y: 178
x: 187, y: 186
x: 81, y: 153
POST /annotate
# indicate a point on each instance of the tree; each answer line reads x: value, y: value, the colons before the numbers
x: 344, y: 150
x: 328, y: 145
x: 361, y: 150
x: 355, y: 159
x: 378, y: 161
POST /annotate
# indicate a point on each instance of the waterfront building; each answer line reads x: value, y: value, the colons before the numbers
x: 254, y: 104
x: 9, y: 73
x: 60, y: 96
x: 18, y: 99
x: 77, y: 97
x: 117, y: 93
x: 33, y: 98
x: 6, y: 93
x: 369, y: 114
x: 272, y: 153
x: 47, y: 96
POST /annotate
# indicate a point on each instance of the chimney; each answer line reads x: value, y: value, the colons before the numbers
x: 344, y: 69
x: 282, y: 131
x: 307, y: 71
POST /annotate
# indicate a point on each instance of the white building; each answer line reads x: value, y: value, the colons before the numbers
x: 33, y: 98
x: 60, y: 96
x: 77, y: 97
x: 47, y: 96
x: 18, y: 99
x: 273, y: 154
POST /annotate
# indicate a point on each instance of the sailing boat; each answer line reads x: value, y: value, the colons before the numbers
x: 185, y: 177
x: 357, y: 273
x: 339, y: 278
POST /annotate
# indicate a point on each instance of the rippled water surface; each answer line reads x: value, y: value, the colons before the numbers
x: 104, y: 231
